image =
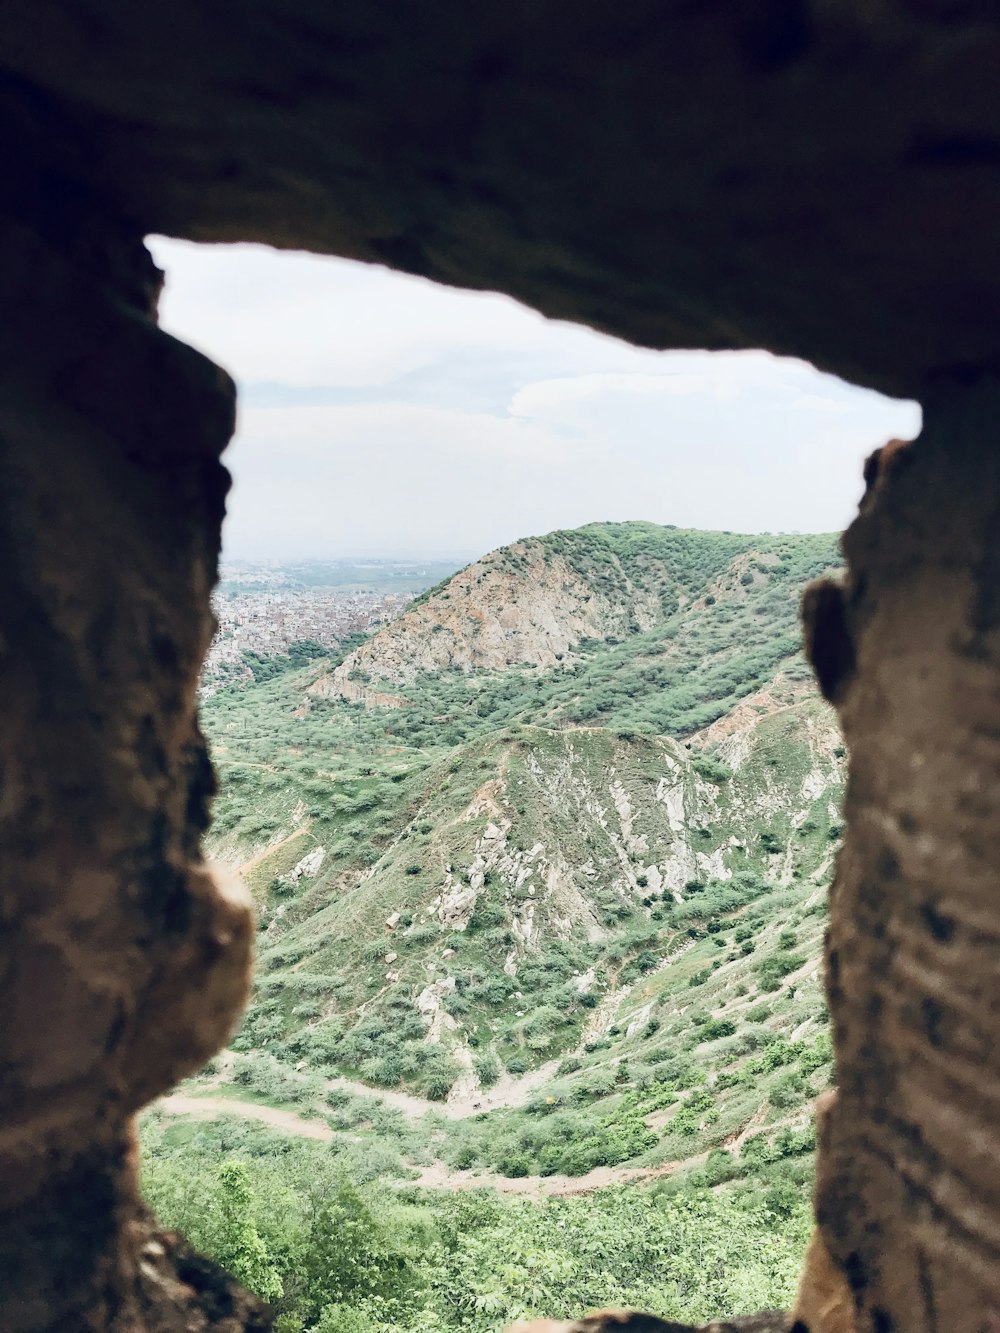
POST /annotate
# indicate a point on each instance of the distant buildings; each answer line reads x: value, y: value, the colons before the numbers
x: 268, y: 622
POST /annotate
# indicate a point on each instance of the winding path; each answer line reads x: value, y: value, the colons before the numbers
x: 437, y: 1176
x: 507, y: 1093
x: 441, y: 1176
x: 210, y: 1108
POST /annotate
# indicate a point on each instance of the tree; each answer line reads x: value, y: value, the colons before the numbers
x: 240, y: 1247
x: 355, y: 1257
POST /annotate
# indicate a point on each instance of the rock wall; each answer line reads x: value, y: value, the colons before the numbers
x: 814, y: 177
x: 123, y: 962
x: 908, y: 1197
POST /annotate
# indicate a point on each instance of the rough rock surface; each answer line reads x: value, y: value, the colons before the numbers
x: 817, y: 178
x: 123, y: 960
x: 520, y: 605
x: 629, y: 1321
x: 908, y: 1196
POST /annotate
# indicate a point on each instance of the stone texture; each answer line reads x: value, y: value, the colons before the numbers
x: 629, y: 1321
x: 123, y: 961
x: 812, y: 176
x: 908, y: 1196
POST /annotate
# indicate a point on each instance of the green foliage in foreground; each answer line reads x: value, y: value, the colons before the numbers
x: 333, y: 1256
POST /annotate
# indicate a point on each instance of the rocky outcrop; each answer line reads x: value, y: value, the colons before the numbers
x: 124, y: 961
x: 521, y: 605
x: 331, y: 685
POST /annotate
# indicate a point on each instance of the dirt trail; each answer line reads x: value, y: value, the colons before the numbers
x: 439, y: 1175
x: 510, y: 1091
x: 208, y: 1108
x: 273, y: 847
x: 506, y: 1093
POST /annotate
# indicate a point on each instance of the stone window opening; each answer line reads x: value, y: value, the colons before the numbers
x: 814, y: 179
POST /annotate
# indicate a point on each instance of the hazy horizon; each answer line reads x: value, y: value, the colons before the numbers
x: 437, y: 556
x: 382, y: 415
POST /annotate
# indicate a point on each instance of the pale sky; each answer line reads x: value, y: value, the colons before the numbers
x: 382, y: 414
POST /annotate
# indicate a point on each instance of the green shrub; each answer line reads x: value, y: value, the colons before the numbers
x: 718, y: 1027
x: 787, y: 1090
x: 711, y: 769
x: 487, y: 1068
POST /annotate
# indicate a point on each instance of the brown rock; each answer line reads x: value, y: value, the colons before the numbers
x: 630, y: 1321
x: 124, y: 961
x: 819, y: 179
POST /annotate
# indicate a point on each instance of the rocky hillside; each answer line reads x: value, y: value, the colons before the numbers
x: 531, y: 871
x: 521, y: 604
x: 425, y: 863
x: 544, y: 602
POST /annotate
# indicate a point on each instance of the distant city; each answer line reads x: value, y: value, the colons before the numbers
x: 275, y: 609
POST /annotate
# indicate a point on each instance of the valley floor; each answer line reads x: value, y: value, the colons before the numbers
x: 439, y: 1175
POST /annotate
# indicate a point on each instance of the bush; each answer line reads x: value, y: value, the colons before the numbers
x: 540, y: 1029
x: 787, y: 1090
x: 711, y: 769
x: 782, y: 1197
x: 487, y: 1068
x: 772, y: 970
x: 718, y: 1027
x: 343, y: 1319
x: 720, y: 1167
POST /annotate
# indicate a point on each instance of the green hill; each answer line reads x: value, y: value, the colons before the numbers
x: 450, y: 886
x: 657, y: 629
x: 541, y: 902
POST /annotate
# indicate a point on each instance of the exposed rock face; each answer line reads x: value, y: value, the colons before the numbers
x: 309, y: 866
x: 815, y: 178
x: 124, y: 961
x: 519, y: 605
x: 333, y: 685
x: 909, y: 1189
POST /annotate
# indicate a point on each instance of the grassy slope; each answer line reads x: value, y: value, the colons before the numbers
x: 556, y: 831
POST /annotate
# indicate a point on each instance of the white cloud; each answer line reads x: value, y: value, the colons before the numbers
x: 303, y: 320
x: 406, y: 416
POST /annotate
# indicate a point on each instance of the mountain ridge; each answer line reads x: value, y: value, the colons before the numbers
x: 534, y: 602
x: 480, y: 835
